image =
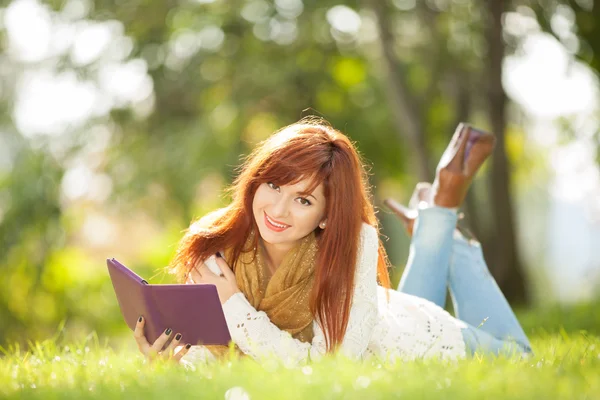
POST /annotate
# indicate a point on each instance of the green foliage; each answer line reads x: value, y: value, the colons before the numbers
x: 566, y: 320
x: 30, y: 230
x: 234, y: 80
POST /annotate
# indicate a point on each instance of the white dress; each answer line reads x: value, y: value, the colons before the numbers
x: 407, y: 327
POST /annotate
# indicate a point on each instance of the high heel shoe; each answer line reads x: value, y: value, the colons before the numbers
x: 461, y: 160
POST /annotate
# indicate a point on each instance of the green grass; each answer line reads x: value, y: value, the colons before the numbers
x: 566, y: 365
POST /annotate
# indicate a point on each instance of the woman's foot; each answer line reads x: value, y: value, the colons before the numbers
x: 461, y: 160
x: 421, y: 198
x: 408, y: 215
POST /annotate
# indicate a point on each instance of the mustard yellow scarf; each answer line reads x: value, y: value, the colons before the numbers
x: 283, y: 295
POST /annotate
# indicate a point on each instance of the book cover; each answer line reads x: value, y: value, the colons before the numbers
x: 192, y: 310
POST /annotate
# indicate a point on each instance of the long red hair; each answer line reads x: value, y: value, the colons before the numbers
x: 307, y: 149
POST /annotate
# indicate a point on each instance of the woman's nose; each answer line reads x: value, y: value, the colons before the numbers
x: 280, y: 208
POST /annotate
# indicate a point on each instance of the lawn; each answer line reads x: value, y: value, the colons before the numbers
x: 566, y: 365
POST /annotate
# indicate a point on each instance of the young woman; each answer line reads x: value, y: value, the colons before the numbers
x: 304, y: 272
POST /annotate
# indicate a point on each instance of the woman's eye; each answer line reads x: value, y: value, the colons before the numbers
x: 273, y: 186
x: 304, y: 201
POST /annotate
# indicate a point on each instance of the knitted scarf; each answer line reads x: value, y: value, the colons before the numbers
x: 283, y: 295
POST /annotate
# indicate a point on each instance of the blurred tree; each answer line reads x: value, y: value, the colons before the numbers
x: 581, y: 33
x: 395, y: 75
x: 406, y: 107
x: 507, y: 267
x: 450, y: 52
x: 576, y: 25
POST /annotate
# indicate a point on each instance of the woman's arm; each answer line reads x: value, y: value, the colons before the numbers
x: 256, y: 336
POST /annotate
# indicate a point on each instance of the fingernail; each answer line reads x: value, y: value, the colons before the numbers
x: 140, y: 319
x: 168, y: 331
x: 187, y: 346
x: 178, y: 336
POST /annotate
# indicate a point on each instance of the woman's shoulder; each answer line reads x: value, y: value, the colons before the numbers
x: 368, y: 232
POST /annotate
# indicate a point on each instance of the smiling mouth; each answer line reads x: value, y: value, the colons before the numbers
x: 274, y: 225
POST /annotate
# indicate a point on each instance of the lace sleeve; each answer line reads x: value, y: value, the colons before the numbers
x: 258, y: 337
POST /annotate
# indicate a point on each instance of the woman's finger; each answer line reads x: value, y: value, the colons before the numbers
x: 162, y: 339
x: 204, y: 276
x: 195, y: 276
x: 207, y: 275
x: 140, y: 338
x: 192, y: 277
x: 174, y: 343
x: 182, y: 352
x: 227, y: 272
x: 188, y: 279
x: 204, y: 270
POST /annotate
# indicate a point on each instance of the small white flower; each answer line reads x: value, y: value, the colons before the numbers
x: 337, y: 388
x: 236, y: 393
x: 362, y: 382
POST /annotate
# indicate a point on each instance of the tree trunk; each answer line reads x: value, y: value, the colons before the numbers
x: 506, y: 267
x: 404, y: 107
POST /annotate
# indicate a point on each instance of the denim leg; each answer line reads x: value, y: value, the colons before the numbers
x: 426, y: 272
x: 478, y: 300
x: 482, y: 342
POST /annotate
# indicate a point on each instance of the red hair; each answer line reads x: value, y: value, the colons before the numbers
x: 306, y: 149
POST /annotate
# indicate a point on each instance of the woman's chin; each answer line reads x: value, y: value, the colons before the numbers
x: 276, y: 237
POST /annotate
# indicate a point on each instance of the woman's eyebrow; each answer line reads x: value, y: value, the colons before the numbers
x: 307, y: 194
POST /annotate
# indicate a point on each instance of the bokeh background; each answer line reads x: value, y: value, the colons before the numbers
x: 123, y: 120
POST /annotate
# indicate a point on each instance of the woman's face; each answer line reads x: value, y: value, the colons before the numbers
x: 283, y: 215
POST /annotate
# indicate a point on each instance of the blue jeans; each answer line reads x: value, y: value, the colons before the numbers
x: 438, y: 258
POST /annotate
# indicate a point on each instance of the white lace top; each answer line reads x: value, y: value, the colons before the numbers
x: 407, y: 327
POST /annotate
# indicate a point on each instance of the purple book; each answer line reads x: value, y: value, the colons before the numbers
x: 192, y: 310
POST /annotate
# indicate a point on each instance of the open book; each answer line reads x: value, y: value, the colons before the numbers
x: 192, y: 310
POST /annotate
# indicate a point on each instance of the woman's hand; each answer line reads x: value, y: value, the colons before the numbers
x: 157, y: 349
x: 226, y: 284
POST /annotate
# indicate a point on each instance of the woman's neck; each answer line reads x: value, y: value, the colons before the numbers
x: 274, y: 254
